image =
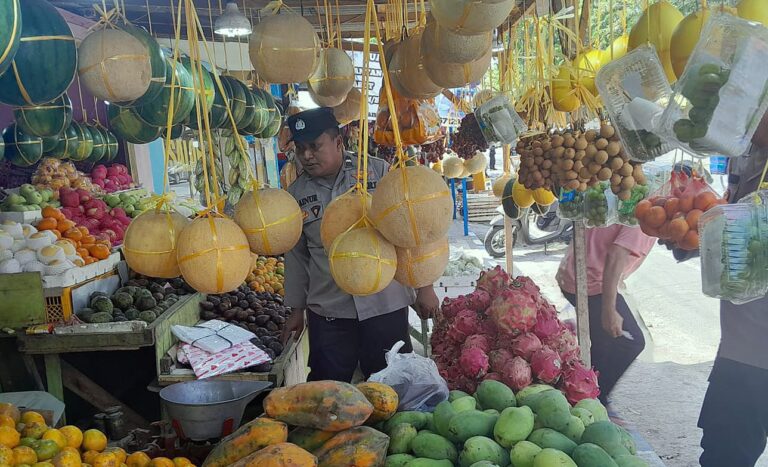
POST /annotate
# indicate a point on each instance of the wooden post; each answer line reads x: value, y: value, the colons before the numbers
x: 582, y: 293
x: 53, y: 376
x: 508, y: 233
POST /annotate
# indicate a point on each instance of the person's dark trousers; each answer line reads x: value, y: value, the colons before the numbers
x: 734, y: 416
x: 492, y: 161
x: 336, y: 346
x: 611, y: 356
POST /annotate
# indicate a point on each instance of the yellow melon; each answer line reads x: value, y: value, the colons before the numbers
x: 325, y: 101
x: 362, y: 261
x: 753, y: 10
x: 349, y: 110
x: 476, y: 164
x: 587, y: 65
x: 423, y: 265
x: 616, y: 50
x: 447, y: 46
x: 499, y: 184
x: 438, y: 167
x: 471, y: 16
x: 333, y: 77
x: 456, y: 75
x: 213, y: 255
x: 284, y: 48
x: 656, y: 26
x: 412, y: 206
x: 686, y: 36
x: 271, y: 219
x: 564, y: 98
x: 522, y: 196
x: 543, y: 196
x: 150, y: 243
x: 341, y: 214
x: 410, y: 72
x: 452, y: 167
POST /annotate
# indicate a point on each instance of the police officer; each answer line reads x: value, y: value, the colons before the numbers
x: 344, y: 330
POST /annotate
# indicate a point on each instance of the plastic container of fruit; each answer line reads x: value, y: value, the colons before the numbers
x: 625, y: 210
x: 571, y: 205
x: 600, y: 206
x: 720, y: 99
x: 635, y: 90
x: 499, y: 122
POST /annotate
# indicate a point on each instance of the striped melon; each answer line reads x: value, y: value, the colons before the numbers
x: 126, y: 124
x: 176, y: 131
x: 46, y: 62
x: 49, y: 119
x: 10, y: 31
x: 261, y: 116
x: 250, y: 107
x: 208, y: 88
x: 21, y: 149
x: 275, y: 122
x: 219, y: 117
x: 157, y: 60
x: 112, y: 146
x: 99, y: 144
x: 49, y: 143
x: 67, y: 146
x: 156, y: 112
x: 85, y: 142
x: 237, y: 101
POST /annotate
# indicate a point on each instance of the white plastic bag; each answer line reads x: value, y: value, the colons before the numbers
x: 415, y: 379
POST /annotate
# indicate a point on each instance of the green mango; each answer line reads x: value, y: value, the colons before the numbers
x: 515, y: 424
x: 480, y: 448
x: 552, y: 457
x: 495, y: 395
x: 592, y: 455
x: 432, y: 446
x: 465, y: 425
x: 524, y: 453
x: 400, y: 437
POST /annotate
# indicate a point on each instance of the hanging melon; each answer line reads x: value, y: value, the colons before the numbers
x: 421, y: 266
x: 456, y: 75
x: 157, y: 62
x: 450, y: 47
x: 349, y: 110
x: 341, y: 214
x: 284, y: 48
x: 498, y: 185
x: 471, y: 17
x: 237, y: 100
x: 150, y: 243
x: 588, y: 64
x: 543, y: 197
x: 412, y: 206
x: 686, y: 36
x: 452, y: 167
x: 333, y: 78
x: 511, y: 209
x: 476, y: 164
x: 362, y: 261
x: 114, y: 65
x: 656, y: 26
x: 396, y: 66
x: 10, y: 32
x: 156, y: 112
x: 564, y: 98
x: 112, y: 146
x: 21, y: 149
x: 219, y: 117
x: 212, y: 254
x: 753, y: 10
x: 175, y: 133
x: 616, y: 50
x: 262, y: 115
x: 411, y: 74
x: 271, y: 219
x: 46, y: 61
x: 49, y: 119
x: 323, y: 101
x: 84, y: 142
x: 99, y: 149
x: 68, y: 144
x: 126, y: 124
x: 208, y: 88
x: 250, y: 107
x: 522, y: 196
x: 275, y: 119
x: 49, y: 143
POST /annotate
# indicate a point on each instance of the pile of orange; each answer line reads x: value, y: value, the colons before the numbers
x: 89, y: 248
x: 267, y: 275
x: 27, y: 441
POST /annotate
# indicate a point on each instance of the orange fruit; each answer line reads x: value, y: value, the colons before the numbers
x: 56, y: 436
x: 686, y: 203
x: 6, y: 420
x: 182, y: 462
x: 119, y: 453
x: 656, y: 217
x: 105, y: 459
x: 64, y: 225
x: 9, y: 437
x: 704, y: 200
x: 73, y: 435
x: 678, y: 227
x: 34, y: 430
x: 692, y: 218
x: 690, y: 241
x: 672, y: 207
x: 47, y: 223
x: 94, y: 440
x: 89, y: 456
x: 6, y: 456
x: 642, y: 208
x: 161, y: 462
x: 138, y: 459
x: 32, y: 417
x: 10, y: 410
x: 24, y: 455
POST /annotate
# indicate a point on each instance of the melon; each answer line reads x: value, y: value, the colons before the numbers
x: 2, y: 149
x: 686, y: 36
x: 456, y: 75
x: 10, y: 32
x: 284, y: 48
x: 453, y: 167
x: 753, y: 10
x: 543, y: 197
x: 126, y: 124
x: 84, y: 142
x: 271, y: 219
x: 99, y: 149
x: 212, y: 254
x: 422, y: 265
x: 49, y: 144
x: 412, y: 206
x: 68, y: 144
x: 471, y: 17
x: 448, y: 46
x: 362, y: 261
x: 349, y: 110
x: 114, y: 65
x: 237, y: 100
x: 157, y: 62
x: 511, y: 209
x: 46, y: 61
x: 175, y: 133
x: 250, y: 107
x: 409, y: 69
x: 156, y: 112
x: 564, y: 98
x: 588, y: 64
x: 206, y: 87
x: 21, y: 149
x: 274, y: 125
x: 656, y: 26
x: 341, y: 214
x: 326, y: 101
x: 261, y: 114
x: 150, y: 243
x: 49, y: 119
x: 476, y: 164
x: 112, y: 146
x: 333, y: 77
x: 522, y: 196
x: 499, y: 184
x: 437, y: 167
x: 219, y: 118
x: 616, y: 50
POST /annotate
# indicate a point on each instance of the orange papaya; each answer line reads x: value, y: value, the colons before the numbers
x: 309, y: 438
x: 278, y: 455
x: 249, y: 438
x: 383, y: 398
x: 361, y: 446
x: 322, y: 405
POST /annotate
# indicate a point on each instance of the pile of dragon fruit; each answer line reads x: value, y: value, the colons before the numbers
x: 506, y: 331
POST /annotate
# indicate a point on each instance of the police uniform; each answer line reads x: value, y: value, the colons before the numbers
x: 344, y: 330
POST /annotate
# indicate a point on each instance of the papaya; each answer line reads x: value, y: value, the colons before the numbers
x: 595, y: 407
x: 523, y: 454
x: 514, y: 425
x: 309, y: 439
x: 323, y: 405
x: 400, y: 438
x: 432, y: 446
x: 523, y: 396
x: 456, y: 394
x: 441, y: 418
x: 398, y: 460
x: 549, y: 438
x: 464, y: 404
x: 278, y: 455
x: 592, y: 455
x: 630, y: 461
x: 416, y: 419
x: 495, y: 395
x: 360, y: 446
x: 480, y: 448
x: 383, y: 398
x: 249, y: 438
x: 606, y: 435
x: 465, y: 425
x: 422, y: 462
x: 574, y: 429
x: 549, y: 457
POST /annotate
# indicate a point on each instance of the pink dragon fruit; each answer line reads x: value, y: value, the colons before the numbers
x: 517, y: 374
x: 479, y: 300
x: 494, y: 376
x: 513, y: 312
x: 546, y: 365
x: 547, y: 324
x: 477, y: 341
x: 473, y: 363
x: 452, y: 306
x: 570, y: 324
x: 465, y: 384
x: 529, y: 287
x: 493, y: 280
x: 579, y: 382
x: 464, y: 325
x: 526, y: 345
x: 499, y: 359
x: 564, y: 343
x: 488, y: 327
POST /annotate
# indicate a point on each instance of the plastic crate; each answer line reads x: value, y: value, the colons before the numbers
x: 61, y: 302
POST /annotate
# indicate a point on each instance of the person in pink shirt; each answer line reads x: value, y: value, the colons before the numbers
x: 613, y: 253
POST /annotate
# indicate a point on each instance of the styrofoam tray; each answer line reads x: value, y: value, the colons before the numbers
x: 75, y: 276
x: 24, y: 217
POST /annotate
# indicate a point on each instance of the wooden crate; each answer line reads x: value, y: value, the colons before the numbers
x: 481, y: 207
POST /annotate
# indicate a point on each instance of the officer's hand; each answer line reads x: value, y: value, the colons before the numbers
x: 427, y: 304
x: 294, y: 324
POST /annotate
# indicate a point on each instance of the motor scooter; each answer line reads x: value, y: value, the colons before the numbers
x: 555, y: 229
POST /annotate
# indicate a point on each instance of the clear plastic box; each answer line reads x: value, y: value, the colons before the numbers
x: 571, y: 205
x: 635, y: 91
x: 600, y: 206
x: 498, y: 120
x: 721, y: 97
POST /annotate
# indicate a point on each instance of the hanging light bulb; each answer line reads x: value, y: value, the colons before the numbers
x: 232, y: 23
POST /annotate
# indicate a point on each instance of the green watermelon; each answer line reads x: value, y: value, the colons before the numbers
x: 210, y: 92
x: 22, y: 150
x: 262, y: 116
x: 46, y: 62
x: 126, y: 124
x: 237, y: 102
x: 10, y: 31
x: 2, y: 149
x: 67, y: 145
x: 157, y: 60
x: 250, y: 108
x: 112, y: 146
x: 49, y: 143
x: 219, y: 116
x: 99, y: 144
x: 156, y: 112
x: 510, y: 207
x: 275, y: 123
x: 176, y: 131
x: 85, y: 140
x: 49, y: 119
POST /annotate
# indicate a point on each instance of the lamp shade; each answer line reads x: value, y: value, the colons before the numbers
x: 232, y: 23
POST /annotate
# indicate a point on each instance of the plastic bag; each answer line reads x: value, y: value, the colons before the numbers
x: 626, y: 209
x: 499, y: 121
x: 600, y: 206
x: 415, y: 379
x: 418, y: 120
x: 571, y: 205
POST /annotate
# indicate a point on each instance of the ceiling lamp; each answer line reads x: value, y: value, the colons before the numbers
x: 232, y: 23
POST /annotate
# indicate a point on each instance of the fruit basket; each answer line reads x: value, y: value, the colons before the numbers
x: 634, y: 89
x: 721, y: 97
x: 600, y: 206
x: 498, y: 120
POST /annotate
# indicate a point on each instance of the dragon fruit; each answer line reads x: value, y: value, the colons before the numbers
x: 452, y: 306
x: 513, y: 312
x: 479, y: 300
x: 579, y: 382
x: 499, y: 359
x: 564, y: 343
x: 517, y: 374
x: 473, y: 363
x: 477, y: 341
x: 529, y: 287
x: 488, y: 327
x: 525, y: 345
x: 493, y: 280
x: 494, y: 377
x: 466, y: 323
x: 546, y: 365
x: 547, y: 324
x: 465, y: 384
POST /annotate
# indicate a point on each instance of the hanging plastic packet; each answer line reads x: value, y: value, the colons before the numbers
x: 600, y: 206
x: 571, y: 205
x: 498, y: 120
x: 626, y: 209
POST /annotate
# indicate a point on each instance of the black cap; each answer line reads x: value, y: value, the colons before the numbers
x: 308, y: 125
